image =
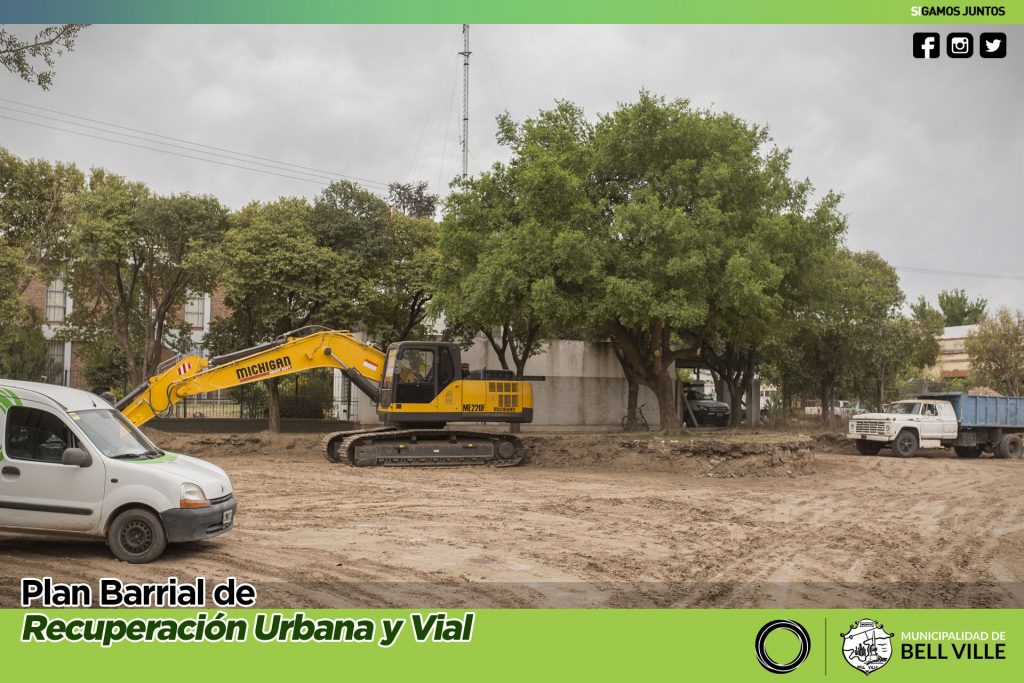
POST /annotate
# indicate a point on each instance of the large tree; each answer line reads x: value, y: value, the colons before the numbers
x: 412, y: 199
x: 22, y: 346
x: 957, y: 308
x: 502, y: 229
x: 35, y: 214
x: 32, y: 59
x: 403, y: 281
x: 838, y: 337
x: 132, y: 260
x: 996, y: 351
x: 276, y: 278
x: 703, y: 242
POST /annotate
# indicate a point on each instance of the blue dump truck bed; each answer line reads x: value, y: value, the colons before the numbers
x: 985, y: 411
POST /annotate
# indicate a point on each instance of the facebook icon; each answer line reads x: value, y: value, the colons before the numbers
x: 926, y: 45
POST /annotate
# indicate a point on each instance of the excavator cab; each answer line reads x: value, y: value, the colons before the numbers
x: 426, y: 383
x: 417, y: 372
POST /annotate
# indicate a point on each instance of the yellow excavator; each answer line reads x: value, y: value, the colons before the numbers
x: 418, y: 386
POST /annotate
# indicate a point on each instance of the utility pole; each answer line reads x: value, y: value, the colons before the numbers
x: 465, y: 99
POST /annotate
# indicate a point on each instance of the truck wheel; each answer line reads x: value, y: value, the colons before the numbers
x: 967, y: 451
x: 1010, y: 447
x: 137, y: 536
x: 905, y: 444
x: 868, y: 447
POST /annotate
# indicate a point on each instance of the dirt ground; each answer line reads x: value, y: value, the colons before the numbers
x: 594, y: 520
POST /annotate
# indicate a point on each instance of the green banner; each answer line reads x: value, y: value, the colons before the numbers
x: 451, y: 645
x: 523, y: 11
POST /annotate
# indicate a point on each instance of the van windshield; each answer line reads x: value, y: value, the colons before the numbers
x: 115, y: 436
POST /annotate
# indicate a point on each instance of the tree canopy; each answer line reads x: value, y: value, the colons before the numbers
x: 996, y: 350
x: 33, y: 59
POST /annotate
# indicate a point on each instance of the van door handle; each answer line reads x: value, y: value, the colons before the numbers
x: 10, y: 470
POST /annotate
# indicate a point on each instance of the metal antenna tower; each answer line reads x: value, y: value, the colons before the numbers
x: 465, y: 99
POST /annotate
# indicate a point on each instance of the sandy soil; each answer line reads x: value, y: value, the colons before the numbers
x: 591, y: 521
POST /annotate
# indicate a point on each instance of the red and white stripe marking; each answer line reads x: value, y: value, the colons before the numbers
x: 184, y: 368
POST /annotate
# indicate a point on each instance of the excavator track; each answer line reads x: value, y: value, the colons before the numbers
x: 392, y: 447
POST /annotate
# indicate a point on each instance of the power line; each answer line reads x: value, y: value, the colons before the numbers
x: 959, y: 273
x: 436, y: 106
x: 167, y: 144
x: 162, y: 151
x: 490, y: 65
x: 330, y: 174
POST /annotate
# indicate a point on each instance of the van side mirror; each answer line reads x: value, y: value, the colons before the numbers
x: 76, y: 457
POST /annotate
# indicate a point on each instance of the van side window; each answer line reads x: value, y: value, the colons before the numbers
x: 36, y: 435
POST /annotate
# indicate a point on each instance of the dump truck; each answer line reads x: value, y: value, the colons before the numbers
x: 417, y: 386
x: 970, y: 425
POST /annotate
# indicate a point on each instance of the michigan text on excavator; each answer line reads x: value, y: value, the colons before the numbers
x: 418, y: 386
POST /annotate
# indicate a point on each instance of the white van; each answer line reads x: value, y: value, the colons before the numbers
x: 71, y: 464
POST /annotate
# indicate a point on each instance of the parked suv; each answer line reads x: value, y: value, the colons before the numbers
x: 71, y: 464
x: 706, y: 409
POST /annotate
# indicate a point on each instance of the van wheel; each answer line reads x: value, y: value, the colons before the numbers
x: 905, y: 444
x: 868, y: 447
x: 1010, y: 447
x: 137, y: 536
x: 967, y: 451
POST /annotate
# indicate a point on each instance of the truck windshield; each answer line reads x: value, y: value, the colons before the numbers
x: 115, y: 436
x: 904, y: 408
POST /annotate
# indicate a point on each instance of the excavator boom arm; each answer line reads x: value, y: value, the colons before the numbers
x: 186, y: 376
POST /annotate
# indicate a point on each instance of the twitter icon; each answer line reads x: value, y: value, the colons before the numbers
x: 993, y: 45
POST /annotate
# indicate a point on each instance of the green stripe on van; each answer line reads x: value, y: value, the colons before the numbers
x: 166, y: 457
x: 8, y: 399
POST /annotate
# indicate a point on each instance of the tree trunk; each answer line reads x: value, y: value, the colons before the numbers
x: 273, y: 406
x: 826, y: 404
x: 879, y: 393
x: 735, y: 403
x: 632, y: 396
x: 665, y: 391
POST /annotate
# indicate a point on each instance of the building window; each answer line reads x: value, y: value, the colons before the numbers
x: 55, y: 373
x: 56, y: 302
x: 195, y: 309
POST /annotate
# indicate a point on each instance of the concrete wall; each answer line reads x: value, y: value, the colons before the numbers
x: 583, y: 385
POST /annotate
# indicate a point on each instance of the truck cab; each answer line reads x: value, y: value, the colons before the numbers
x: 71, y: 464
x: 905, y: 426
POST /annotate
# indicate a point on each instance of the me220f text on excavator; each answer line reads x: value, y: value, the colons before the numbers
x: 418, y: 387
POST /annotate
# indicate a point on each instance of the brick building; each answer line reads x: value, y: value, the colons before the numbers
x: 65, y: 362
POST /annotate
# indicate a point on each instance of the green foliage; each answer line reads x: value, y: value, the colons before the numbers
x: 850, y: 332
x: 275, y: 274
x: 22, y: 346
x: 412, y: 199
x: 402, y: 283
x: 131, y: 259
x: 960, y: 310
x: 35, y: 211
x: 33, y: 60
x: 996, y: 350
x: 956, y: 308
x: 104, y: 364
x: 505, y: 233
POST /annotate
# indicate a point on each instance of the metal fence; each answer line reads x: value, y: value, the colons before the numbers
x: 314, y: 395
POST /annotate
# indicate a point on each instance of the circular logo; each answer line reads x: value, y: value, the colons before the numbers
x: 793, y: 627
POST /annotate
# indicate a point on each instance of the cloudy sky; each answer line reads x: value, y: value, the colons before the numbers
x: 929, y: 154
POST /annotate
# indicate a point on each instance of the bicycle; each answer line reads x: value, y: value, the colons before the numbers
x: 641, y: 421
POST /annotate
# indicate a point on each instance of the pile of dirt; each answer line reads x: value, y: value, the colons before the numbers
x: 983, y: 391
x: 238, y: 445
x: 834, y: 443
x: 697, y: 457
